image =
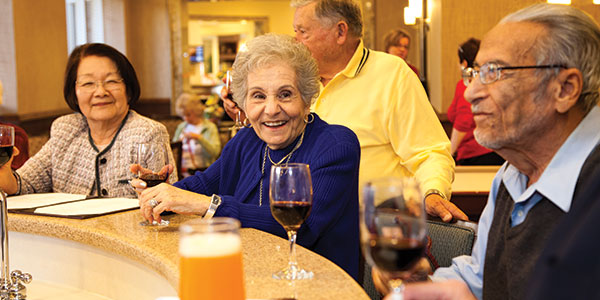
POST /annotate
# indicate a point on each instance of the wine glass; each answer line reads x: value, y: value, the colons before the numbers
x: 238, y: 117
x: 393, y: 230
x: 7, y: 143
x: 290, y: 194
x: 152, y: 160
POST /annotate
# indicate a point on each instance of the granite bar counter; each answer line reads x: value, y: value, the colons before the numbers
x: 157, y: 248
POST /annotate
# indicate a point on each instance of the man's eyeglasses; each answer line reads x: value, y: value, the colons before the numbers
x: 91, y: 85
x: 491, y: 72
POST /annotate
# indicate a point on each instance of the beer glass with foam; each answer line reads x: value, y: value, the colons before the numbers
x: 211, y: 260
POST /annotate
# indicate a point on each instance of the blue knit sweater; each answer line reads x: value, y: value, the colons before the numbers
x: 333, y: 153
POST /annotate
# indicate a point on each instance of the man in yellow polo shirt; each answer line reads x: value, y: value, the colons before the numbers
x: 379, y: 97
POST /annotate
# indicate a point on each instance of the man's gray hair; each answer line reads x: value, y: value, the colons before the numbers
x: 273, y: 49
x: 573, y: 40
x: 330, y: 12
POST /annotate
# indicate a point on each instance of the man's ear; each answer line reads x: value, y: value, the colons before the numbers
x: 570, y: 83
x: 341, y: 32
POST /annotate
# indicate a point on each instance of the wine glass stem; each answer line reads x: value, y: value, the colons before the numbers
x: 292, y: 264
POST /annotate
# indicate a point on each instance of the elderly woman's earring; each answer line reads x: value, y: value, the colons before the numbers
x: 247, y: 123
x: 309, y: 118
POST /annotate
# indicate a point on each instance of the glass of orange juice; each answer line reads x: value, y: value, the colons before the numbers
x: 211, y: 260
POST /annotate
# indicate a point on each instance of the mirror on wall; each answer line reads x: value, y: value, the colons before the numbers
x: 213, y: 43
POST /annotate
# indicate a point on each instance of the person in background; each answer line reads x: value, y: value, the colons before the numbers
x: 377, y: 96
x: 463, y: 145
x: 534, y: 94
x: 397, y: 42
x: 200, y: 137
x: 89, y: 151
x: 274, y: 81
x: 21, y: 141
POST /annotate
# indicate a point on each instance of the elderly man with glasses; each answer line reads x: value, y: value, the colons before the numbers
x: 534, y: 94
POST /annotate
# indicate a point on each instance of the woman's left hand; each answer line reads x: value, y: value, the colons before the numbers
x: 170, y: 198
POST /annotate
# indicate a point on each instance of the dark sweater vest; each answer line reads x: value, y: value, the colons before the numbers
x: 513, y: 251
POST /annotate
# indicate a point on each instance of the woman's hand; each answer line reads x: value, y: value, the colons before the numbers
x: 170, y: 198
x: 443, y: 290
x: 230, y: 107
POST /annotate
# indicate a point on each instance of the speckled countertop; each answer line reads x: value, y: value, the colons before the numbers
x: 157, y: 247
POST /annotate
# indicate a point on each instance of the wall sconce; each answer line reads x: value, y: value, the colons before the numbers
x: 417, y: 7
x: 409, y: 17
x: 568, y: 2
x: 413, y: 12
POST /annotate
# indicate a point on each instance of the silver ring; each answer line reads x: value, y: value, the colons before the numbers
x: 153, y: 203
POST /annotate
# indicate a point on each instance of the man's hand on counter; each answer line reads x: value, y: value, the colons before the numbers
x: 435, y: 205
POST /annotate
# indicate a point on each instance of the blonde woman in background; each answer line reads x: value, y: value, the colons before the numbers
x: 200, y: 137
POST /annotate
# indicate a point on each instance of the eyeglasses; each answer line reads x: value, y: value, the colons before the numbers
x: 91, y: 85
x: 491, y: 72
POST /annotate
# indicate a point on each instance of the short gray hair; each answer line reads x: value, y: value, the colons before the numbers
x: 189, y: 102
x: 272, y: 49
x: 330, y: 12
x: 573, y: 40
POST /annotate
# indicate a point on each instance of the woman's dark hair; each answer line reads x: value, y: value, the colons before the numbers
x: 124, y: 68
x: 468, y: 50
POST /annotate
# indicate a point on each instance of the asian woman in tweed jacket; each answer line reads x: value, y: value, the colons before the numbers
x: 89, y: 151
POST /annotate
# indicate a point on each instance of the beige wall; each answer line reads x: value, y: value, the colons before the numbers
x: 149, y: 46
x: 114, y: 23
x: 279, y: 12
x: 7, y: 59
x: 473, y: 18
x: 40, y: 54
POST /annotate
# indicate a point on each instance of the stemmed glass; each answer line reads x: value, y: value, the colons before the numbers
x: 7, y: 142
x: 152, y: 160
x: 392, y: 228
x: 290, y: 194
x: 238, y: 117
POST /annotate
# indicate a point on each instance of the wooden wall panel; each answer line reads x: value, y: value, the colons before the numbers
x: 148, y: 41
x: 41, y: 55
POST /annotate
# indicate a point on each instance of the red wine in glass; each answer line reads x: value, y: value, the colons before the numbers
x: 291, y: 214
x: 7, y: 141
x: 6, y: 153
x: 153, y: 179
x: 395, y: 255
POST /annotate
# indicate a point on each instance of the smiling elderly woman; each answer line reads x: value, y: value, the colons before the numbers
x: 89, y: 151
x: 274, y: 82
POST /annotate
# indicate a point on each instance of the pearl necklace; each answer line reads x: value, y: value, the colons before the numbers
x: 285, y: 158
